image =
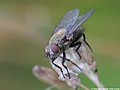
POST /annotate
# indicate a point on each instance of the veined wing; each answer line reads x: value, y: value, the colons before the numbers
x: 68, y: 20
x: 81, y: 19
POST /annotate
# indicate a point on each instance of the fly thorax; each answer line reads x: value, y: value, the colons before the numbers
x: 57, y: 37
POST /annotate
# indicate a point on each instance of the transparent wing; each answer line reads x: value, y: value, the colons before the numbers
x: 81, y: 19
x: 68, y: 20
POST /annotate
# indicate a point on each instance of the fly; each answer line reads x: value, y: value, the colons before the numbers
x: 66, y: 35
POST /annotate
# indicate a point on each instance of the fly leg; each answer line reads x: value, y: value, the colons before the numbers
x: 63, y: 63
x: 75, y: 44
x: 58, y: 67
x: 72, y: 63
x: 84, y: 39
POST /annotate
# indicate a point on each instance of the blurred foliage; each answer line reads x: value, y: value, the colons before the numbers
x: 26, y: 25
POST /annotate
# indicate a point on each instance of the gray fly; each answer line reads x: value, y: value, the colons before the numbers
x: 66, y: 35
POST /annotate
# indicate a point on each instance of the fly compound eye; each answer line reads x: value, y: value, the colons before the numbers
x: 55, y: 48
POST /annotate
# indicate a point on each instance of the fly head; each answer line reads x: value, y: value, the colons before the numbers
x: 52, y: 51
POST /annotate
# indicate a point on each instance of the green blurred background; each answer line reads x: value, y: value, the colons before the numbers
x: 26, y: 25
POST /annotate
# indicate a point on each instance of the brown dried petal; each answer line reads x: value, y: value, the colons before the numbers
x: 49, y: 76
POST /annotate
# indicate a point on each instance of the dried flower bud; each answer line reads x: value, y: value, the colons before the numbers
x: 49, y: 76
